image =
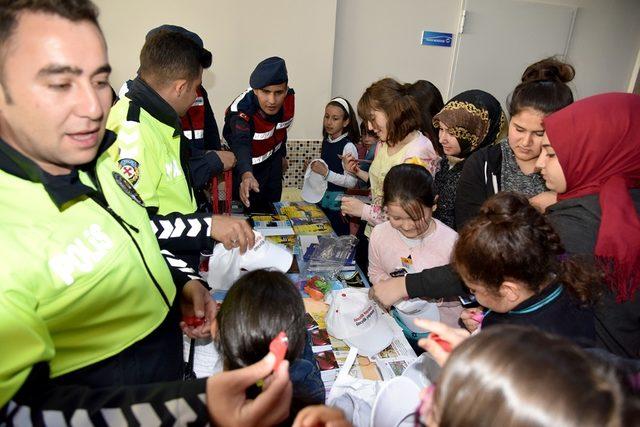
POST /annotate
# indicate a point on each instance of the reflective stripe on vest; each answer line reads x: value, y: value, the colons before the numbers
x: 260, y: 159
x: 193, y: 121
x: 198, y: 134
x: 264, y: 135
x: 267, y: 137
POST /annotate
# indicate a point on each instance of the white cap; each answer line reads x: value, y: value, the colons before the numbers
x: 396, y: 403
x: 417, y: 370
x: 226, y: 266
x: 416, y: 308
x: 314, y: 184
x: 354, y: 318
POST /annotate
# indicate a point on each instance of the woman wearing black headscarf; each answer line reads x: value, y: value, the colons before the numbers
x: 468, y: 122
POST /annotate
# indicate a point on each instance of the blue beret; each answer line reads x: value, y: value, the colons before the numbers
x: 205, y: 56
x: 271, y: 71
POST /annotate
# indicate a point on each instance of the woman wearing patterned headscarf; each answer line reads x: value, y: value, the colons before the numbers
x: 507, y: 166
x: 468, y: 122
x: 591, y: 158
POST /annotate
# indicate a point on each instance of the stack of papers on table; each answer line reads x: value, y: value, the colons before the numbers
x: 306, y: 218
x: 272, y: 225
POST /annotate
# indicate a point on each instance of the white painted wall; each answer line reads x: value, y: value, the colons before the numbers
x: 378, y: 38
x: 239, y: 34
x: 605, y: 44
x: 483, y: 44
x: 373, y: 39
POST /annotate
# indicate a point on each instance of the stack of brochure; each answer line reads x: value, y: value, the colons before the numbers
x: 306, y: 218
x: 272, y: 225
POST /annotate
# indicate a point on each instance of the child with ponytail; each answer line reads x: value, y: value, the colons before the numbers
x: 340, y: 131
x: 511, y: 258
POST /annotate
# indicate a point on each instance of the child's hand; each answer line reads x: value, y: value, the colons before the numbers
x: 470, y: 317
x: 227, y: 401
x: 352, y: 207
x: 453, y: 336
x: 321, y: 416
x: 319, y: 168
x: 350, y: 164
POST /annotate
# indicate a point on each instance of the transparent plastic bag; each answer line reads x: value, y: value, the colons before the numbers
x: 332, y: 255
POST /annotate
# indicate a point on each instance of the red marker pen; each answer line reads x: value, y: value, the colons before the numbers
x: 446, y: 345
x: 278, y: 347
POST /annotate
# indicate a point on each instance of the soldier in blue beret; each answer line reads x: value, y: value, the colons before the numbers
x: 255, y: 126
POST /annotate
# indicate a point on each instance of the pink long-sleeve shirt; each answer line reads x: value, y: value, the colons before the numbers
x: 389, y: 250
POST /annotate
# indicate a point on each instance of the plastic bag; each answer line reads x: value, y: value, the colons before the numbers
x: 331, y: 256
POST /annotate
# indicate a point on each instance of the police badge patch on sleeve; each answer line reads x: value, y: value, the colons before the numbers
x: 130, y: 169
x: 127, y: 188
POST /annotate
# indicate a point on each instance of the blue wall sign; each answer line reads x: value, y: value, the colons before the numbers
x: 433, y: 38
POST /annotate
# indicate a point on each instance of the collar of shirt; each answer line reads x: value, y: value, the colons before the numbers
x: 149, y: 100
x: 536, y: 302
x: 61, y: 188
x: 331, y: 141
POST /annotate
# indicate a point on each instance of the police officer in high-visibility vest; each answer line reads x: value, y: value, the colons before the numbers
x: 89, y: 310
x: 206, y: 157
x: 151, y: 148
x: 255, y: 126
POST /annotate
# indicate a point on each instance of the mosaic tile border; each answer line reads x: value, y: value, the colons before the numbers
x: 298, y: 152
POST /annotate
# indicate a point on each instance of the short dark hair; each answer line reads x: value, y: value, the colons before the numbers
x: 365, y: 131
x: 392, y: 98
x: 168, y: 56
x: 411, y: 186
x: 257, y: 307
x: 543, y: 87
x: 73, y: 10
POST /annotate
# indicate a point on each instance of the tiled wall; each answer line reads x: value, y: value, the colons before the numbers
x: 298, y: 152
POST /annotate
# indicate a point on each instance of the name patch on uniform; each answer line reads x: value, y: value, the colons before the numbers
x: 82, y: 254
x: 130, y: 169
x: 128, y: 188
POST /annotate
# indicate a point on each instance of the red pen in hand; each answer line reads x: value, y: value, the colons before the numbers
x: 446, y: 345
x: 193, y: 321
x: 278, y: 347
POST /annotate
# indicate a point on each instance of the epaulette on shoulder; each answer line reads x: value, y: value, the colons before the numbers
x: 133, y: 113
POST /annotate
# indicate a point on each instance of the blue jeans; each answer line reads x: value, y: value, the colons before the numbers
x: 308, y: 388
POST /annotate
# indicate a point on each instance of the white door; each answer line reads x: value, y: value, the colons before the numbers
x: 499, y: 38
